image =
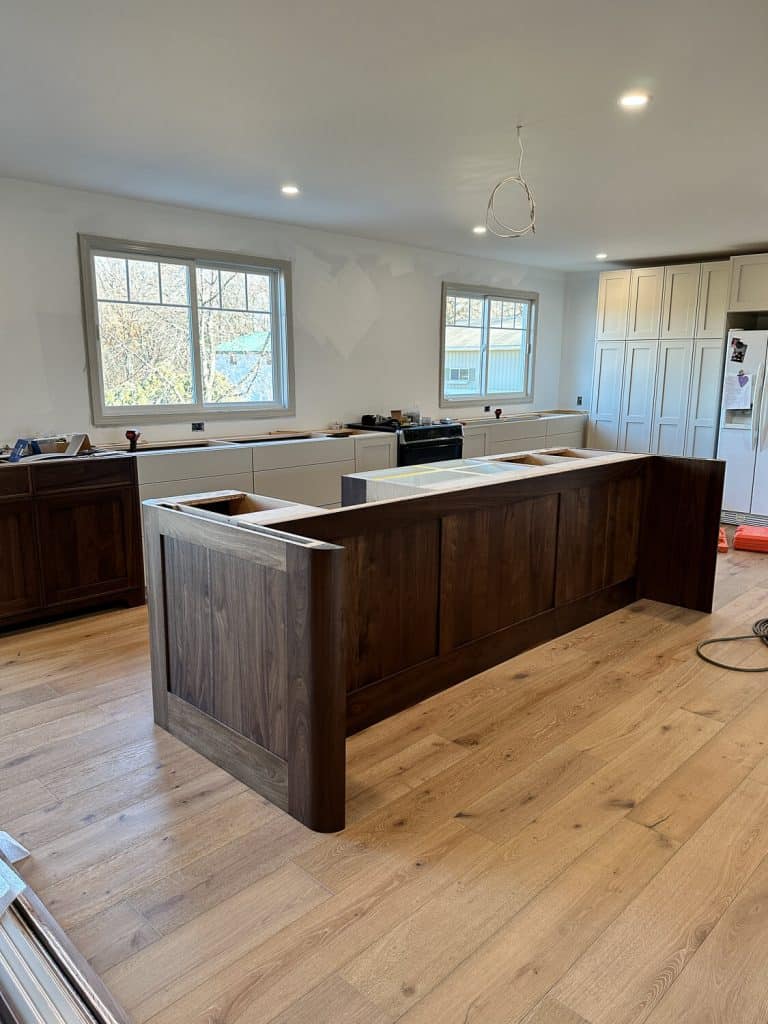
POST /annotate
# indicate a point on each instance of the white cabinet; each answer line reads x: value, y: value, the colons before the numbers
x: 192, y: 463
x: 518, y: 445
x: 376, y: 451
x: 475, y: 442
x: 704, y: 401
x: 637, y: 393
x: 612, y: 305
x: 645, y: 289
x: 713, y: 299
x: 679, y: 300
x: 670, y: 409
x: 749, y: 283
x: 317, y: 484
x: 606, y: 394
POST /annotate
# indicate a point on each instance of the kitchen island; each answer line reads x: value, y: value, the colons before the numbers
x: 279, y: 629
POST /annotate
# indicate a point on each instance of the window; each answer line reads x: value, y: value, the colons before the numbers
x: 172, y: 332
x: 487, y: 346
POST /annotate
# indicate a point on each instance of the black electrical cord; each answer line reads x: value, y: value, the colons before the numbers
x: 759, y: 632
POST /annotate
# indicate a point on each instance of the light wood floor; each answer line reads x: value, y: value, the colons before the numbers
x: 579, y: 835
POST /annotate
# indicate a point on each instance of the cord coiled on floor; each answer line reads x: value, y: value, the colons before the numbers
x: 759, y: 632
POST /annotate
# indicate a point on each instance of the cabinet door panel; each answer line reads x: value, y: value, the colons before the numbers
x: 606, y: 394
x: 88, y: 543
x: 612, y: 305
x: 373, y: 454
x: 645, y: 288
x: 749, y: 283
x: 704, y: 402
x: 19, y: 568
x: 637, y: 396
x: 678, y: 307
x: 673, y: 381
x: 713, y: 299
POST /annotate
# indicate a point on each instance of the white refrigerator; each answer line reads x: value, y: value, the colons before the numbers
x: 743, y: 437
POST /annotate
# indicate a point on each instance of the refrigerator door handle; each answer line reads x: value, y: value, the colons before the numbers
x: 757, y: 406
x: 761, y: 431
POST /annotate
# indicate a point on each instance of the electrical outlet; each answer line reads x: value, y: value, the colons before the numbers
x: 579, y: 400
x: 198, y: 425
x: 486, y: 408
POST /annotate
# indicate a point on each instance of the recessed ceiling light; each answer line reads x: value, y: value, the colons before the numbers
x: 480, y: 229
x: 290, y: 190
x: 635, y: 100
x: 601, y: 255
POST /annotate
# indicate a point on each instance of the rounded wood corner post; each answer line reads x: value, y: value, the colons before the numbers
x: 316, y: 690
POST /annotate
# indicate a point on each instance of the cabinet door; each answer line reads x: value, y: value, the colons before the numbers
x: 474, y: 444
x: 670, y: 412
x: 88, y: 543
x: 749, y: 283
x: 637, y: 396
x: 612, y: 305
x: 645, y: 288
x: 374, y: 453
x: 678, y: 304
x: 606, y: 394
x: 704, y: 401
x: 19, y: 567
x: 713, y: 299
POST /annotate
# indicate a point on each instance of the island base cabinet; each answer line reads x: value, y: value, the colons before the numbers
x: 19, y: 565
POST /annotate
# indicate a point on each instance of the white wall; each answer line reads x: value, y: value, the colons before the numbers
x: 578, y: 338
x: 366, y: 314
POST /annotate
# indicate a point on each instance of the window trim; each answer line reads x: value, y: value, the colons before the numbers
x: 482, y: 291
x: 103, y: 416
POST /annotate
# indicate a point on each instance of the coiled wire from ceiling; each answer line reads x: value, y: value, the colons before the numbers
x: 492, y: 221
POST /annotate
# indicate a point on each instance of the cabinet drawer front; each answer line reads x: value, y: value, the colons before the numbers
x: 566, y: 424
x: 519, y: 445
x: 14, y: 480
x: 197, y: 485
x: 186, y: 465
x: 85, y: 472
x: 500, y: 432
x: 284, y: 454
x: 311, y: 485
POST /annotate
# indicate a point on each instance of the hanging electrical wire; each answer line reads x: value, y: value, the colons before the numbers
x: 492, y: 221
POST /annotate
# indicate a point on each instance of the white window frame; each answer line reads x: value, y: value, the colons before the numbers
x: 487, y: 294
x: 279, y: 272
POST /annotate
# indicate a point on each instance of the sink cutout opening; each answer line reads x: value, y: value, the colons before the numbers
x: 233, y: 504
x: 537, y: 460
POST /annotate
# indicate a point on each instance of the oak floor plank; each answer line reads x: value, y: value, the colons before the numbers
x: 504, y: 855
x: 636, y: 961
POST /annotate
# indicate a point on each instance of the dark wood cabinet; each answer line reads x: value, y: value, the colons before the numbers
x: 70, y: 538
x: 19, y: 576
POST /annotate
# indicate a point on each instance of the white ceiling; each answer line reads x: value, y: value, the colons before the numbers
x: 397, y: 117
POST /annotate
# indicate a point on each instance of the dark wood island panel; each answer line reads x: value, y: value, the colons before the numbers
x: 270, y: 644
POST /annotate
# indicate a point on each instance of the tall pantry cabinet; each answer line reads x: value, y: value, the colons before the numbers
x: 658, y: 358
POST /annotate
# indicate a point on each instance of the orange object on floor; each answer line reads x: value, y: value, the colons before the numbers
x: 751, y: 538
x: 722, y: 540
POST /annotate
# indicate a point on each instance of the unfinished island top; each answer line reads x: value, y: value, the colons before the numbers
x: 279, y: 629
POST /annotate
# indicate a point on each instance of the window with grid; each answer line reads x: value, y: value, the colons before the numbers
x: 175, y: 331
x: 488, y: 341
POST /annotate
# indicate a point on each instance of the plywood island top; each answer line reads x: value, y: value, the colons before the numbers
x: 458, y: 474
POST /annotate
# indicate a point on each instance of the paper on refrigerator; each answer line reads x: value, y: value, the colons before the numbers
x: 738, y: 390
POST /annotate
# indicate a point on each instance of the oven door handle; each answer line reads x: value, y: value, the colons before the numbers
x: 432, y: 440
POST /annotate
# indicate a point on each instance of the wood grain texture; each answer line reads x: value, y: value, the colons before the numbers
x: 391, y: 595
x: 202, y: 901
x: 497, y: 568
x: 681, y: 518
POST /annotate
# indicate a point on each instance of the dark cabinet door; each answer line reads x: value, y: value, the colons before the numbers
x: 19, y: 567
x: 88, y: 543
